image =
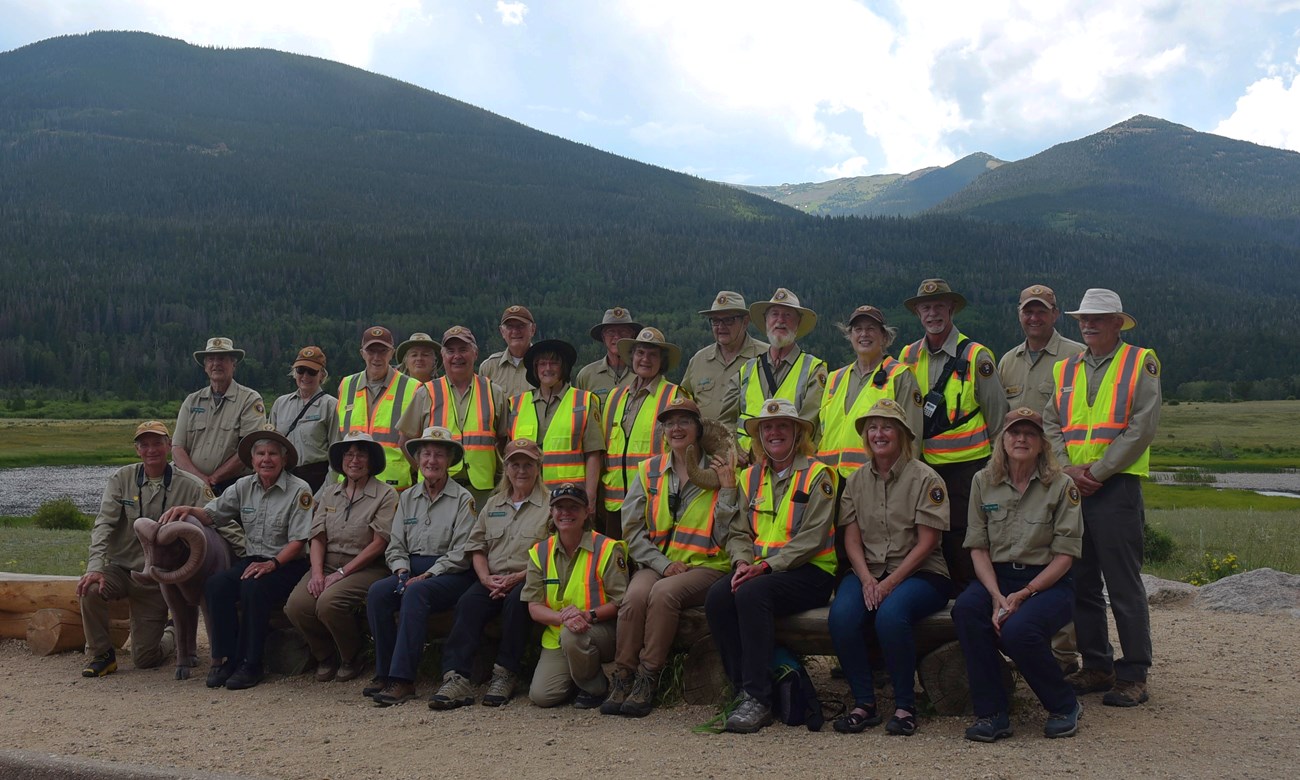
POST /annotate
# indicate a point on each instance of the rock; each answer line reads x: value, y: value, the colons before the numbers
x: 1167, y: 593
x: 1256, y: 592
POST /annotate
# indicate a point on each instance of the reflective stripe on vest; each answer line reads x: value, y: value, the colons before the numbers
x: 562, y: 456
x: 774, y: 527
x: 380, y: 422
x: 970, y: 440
x: 689, y: 539
x: 1088, y: 429
x: 625, y: 452
x: 478, y: 437
x: 751, y: 391
x: 841, y: 446
x: 585, y: 588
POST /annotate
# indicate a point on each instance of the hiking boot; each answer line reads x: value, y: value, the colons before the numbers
x: 749, y: 716
x: 620, y: 683
x: 246, y: 676
x: 642, y: 698
x: 327, y: 669
x: 351, y: 670
x: 1063, y: 724
x: 990, y: 729
x: 501, y: 687
x: 219, y: 673
x: 1126, y: 693
x: 397, y: 692
x: 586, y: 700
x: 1091, y: 681
x: 101, y: 665
x: 377, y: 685
x: 456, y: 691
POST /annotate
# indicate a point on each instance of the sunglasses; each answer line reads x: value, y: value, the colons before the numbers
x: 308, y: 371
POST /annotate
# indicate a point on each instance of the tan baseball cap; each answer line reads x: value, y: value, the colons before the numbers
x: 871, y: 312
x: 151, y: 426
x: 517, y: 312
x: 459, y: 332
x: 526, y: 447
x: 311, y: 357
x: 1038, y: 292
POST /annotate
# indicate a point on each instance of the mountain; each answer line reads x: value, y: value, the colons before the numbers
x: 881, y: 195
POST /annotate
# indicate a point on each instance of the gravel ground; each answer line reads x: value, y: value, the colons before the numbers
x: 23, y: 490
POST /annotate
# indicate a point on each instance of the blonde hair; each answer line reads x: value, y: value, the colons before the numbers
x: 1048, y: 467
x: 909, y: 450
x: 890, y: 332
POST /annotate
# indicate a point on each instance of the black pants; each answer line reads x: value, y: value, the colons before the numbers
x: 957, y: 478
x: 474, y: 610
x: 241, y: 609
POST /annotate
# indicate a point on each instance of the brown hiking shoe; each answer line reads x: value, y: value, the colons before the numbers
x: 397, y: 692
x: 1126, y: 693
x: 620, y: 683
x: 642, y: 698
x: 1091, y: 681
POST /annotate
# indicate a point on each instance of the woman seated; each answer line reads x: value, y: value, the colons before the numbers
x: 668, y: 523
x: 1025, y: 530
x: 893, y: 513
x: 513, y: 520
x: 575, y: 581
x: 349, y: 532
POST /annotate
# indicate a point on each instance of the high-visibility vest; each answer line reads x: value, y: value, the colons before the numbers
x: 380, y: 422
x: 792, y: 388
x: 478, y: 437
x: 1088, y: 429
x: 625, y: 452
x: 970, y: 440
x: 562, y: 456
x: 585, y: 588
x: 773, y: 527
x: 841, y: 445
x: 689, y: 538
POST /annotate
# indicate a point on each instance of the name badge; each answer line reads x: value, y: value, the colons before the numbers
x: 502, y: 513
x: 411, y: 521
x: 990, y: 507
x: 126, y: 501
x: 312, y: 418
x: 197, y: 410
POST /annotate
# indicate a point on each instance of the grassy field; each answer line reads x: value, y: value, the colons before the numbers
x: 1245, y: 436
x: 1257, y: 539
x: 66, y: 442
x: 28, y: 550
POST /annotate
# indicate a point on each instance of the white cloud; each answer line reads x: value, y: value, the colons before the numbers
x: 1269, y: 112
x: 854, y: 166
x: 512, y: 14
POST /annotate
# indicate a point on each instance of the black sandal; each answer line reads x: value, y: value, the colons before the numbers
x: 858, y: 720
x: 903, y: 727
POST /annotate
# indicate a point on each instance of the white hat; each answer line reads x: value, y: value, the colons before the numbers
x: 1099, y: 300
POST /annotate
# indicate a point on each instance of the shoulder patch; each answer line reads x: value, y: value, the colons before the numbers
x: 304, y: 500
x: 259, y: 406
x: 827, y: 490
x: 620, y: 561
x: 207, y: 493
x: 1072, y: 493
x: 473, y: 506
x: 1153, y: 367
x: 986, y: 368
x: 937, y: 496
x: 820, y: 376
x: 917, y: 398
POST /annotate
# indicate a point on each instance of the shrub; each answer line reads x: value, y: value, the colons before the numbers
x: 62, y: 515
x: 1157, y: 545
x: 1214, y: 569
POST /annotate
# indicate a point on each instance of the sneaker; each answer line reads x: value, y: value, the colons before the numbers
x: 101, y: 665
x: 620, y: 683
x: 1126, y: 693
x: 327, y: 669
x: 642, y: 698
x: 456, y: 691
x: 1091, y: 681
x: 351, y: 670
x: 219, y: 673
x: 586, y: 700
x: 246, y: 676
x: 397, y: 692
x: 1063, y: 724
x: 990, y: 729
x: 749, y: 716
x: 501, y: 687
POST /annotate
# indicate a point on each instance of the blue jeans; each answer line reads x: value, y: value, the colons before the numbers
x: 398, y: 646
x: 852, y: 625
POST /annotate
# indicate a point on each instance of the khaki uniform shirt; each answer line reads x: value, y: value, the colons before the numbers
x: 990, y: 396
x: 415, y: 418
x: 636, y: 519
x: 506, y: 534
x: 438, y: 527
x: 210, y: 433
x: 1027, y: 379
x: 593, y: 438
x: 613, y: 579
x: 112, y: 538
x: 271, y: 517
x: 511, y: 377
x: 888, y: 508
x: 599, y: 377
x: 707, y: 375
x: 818, y: 520
x: 1029, y: 528
x: 349, y: 526
x: 1144, y: 416
x: 316, y: 430
x: 809, y: 405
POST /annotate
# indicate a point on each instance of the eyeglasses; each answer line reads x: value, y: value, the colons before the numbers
x: 724, y: 322
x: 678, y: 422
x: 300, y: 370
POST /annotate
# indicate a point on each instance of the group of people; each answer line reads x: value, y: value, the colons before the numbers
x: 601, y: 503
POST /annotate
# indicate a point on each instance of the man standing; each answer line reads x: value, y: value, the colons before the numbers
x: 506, y: 368
x: 373, y: 400
x: 603, y: 375
x: 963, y: 406
x: 1101, y: 421
x: 212, y: 420
x: 1026, y: 371
x: 711, y: 369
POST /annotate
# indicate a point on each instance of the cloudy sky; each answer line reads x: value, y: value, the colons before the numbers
x: 767, y: 91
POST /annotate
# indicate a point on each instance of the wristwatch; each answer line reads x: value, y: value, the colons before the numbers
x: 591, y: 616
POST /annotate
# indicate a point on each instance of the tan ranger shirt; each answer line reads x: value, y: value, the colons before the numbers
x: 1027, y: 379
x: 316, y: 430
x: 112, y: 538
x: 349, y: 525
x: 593, y: 438
x: 598, y: 378
x: 989, y: 394
x: 809, y: 405
x: 505, y: 534
x: 271, y: 517
x: 1030, y: 529
x: 613, y: 579
x: 505, y: 373
x: 707, y: 375
x: 438, y: 527
x: 209, y: 432
x: 733, y: 506
x: 888, y: 508
x: 636, y: 518
x: 415, y: 418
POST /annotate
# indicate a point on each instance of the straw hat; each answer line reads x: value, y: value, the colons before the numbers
x: 783, y: 297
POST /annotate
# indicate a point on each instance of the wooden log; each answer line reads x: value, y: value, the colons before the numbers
x: 26, y: 593
x: 13, y: 625
x: 943, y: 675
x: 59, y: 630
x: 703, y: 679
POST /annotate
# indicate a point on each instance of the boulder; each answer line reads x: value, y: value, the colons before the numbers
x: 1256, y: 592
x: 1167, y: 593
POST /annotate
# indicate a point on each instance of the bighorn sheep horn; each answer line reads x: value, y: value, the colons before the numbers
x: 717, y: 440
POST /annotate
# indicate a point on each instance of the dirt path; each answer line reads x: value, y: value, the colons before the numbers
x: 1225, y: 703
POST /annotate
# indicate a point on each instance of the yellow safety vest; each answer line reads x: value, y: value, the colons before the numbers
x: 970, y: 440
x: 1088, y: 429
x: 624, y: 452
x: 585, y: 588
x: 689, y: 538
x: 841, y: 446
x: 792, y: 388
x: 478, y: 437
x: 774, y: 527
x: 380, y: 422
x: 562, y: 456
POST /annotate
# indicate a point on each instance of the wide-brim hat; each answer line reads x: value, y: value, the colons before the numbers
x: 776, y: 409
x: 267, y: 433
x: 887, y: 408
x: 615, y: 316
x: 378, y: 458
x: 651, y: 337
x: 435, y: 434
x: 419, y: 339
x: 310, y: 357
x: 726, y: 302
x: 679, y: 404
x: 1022, y: 414
x: 935, y: 290
x: 218, y: 346
x: 1099, y: 300
x: 567, y: 352
x: 783, y: 297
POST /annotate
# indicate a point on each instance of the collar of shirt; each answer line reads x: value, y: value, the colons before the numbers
x: 451, y: 489
x: 231, y: 391
x: 505, y: 358
x: 893, y: 472
x: 538, y: 497
x: 1053, y: 345
x: 282, y: 482
x: 949, y: 347
x: 1096, y: 361
x: 583, y: 544
x: 383, y: 383
x: 559, y: 393
x: 1035, y: 477
x: 369, y: 490
x: 789, y: 358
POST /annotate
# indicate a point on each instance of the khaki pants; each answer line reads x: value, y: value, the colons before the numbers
x: 650, y: 611
x: 331, y: 623
x: 577, y: 659
x: 148, y: 617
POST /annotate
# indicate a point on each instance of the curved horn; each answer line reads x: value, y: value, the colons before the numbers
x: 701, y: 475
x: 146, y: 530
x: 189, y: 533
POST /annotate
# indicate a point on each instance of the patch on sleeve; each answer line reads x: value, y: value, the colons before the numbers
x: 260, y: 407
x: 827, y: 490
x: 620, y: 561
x: 917, y: 398
x: 986, y: 369
x: 937, y: 496
x: 1152, y: 366
x: 208, y: 495
x: 473, y: 506
x: 820, y: 376
x: 1072, y: 493
x: 304, y: 500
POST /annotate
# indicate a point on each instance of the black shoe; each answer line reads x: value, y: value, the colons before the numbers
x: 902, y: 727
x: 376, y: 685
x: 219, y: 673
x: 101, y: 665
x: 588, y: 701
x: 858, y: 720
x: 989, y: 729
x: 246, y: 676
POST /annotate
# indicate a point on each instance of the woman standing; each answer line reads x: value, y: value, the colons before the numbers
x: 417, y: 357
x: 308, y: 417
